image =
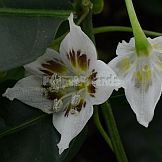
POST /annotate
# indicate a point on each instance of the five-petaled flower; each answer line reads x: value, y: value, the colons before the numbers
x: 67, y: 84
x: 141, y: 76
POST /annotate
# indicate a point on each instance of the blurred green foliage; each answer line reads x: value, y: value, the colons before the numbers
x: 24, y: 38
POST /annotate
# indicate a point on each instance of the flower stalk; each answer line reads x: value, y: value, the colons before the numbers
x: 113, y: 131
x: 35, y: 12
x: 101, y: 129
x: 142, y: 45
x: 108, y: 29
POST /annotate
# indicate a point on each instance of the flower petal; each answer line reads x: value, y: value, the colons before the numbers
x: 125, y: 48
x: 121, y: 65
x: 29, y: 91
x: 157, y: 52
x: 156, y: 44
x: 77, y: 47
x: 69, y: 127
x: 104, y: 82
x: 143, y: 98
x: 46, y: 64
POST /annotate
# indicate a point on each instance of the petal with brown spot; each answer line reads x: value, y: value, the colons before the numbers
x: 53, y: 66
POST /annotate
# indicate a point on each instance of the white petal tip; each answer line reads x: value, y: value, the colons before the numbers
x: 8, y: 95
x: 71, y: 17
x: 71, y: 21
x: 145, y: 119
x: 62, y: 146
x: 144, y: 123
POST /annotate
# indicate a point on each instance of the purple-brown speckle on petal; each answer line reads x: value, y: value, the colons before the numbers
x: 53, y: 66
x: 78, y: 59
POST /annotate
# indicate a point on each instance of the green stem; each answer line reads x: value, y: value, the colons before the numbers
x: 142, y: 44
x: 114, y: 134
x: 34, y: 12
x: 22, y: 126
x: 82, y: 17
x: 104, y: 29
x: 100, y: 128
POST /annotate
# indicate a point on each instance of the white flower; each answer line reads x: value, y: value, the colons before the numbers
x: 141, y: 76
x: 67, y: 84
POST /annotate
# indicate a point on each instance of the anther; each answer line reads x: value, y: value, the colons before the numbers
x: 75, y: 100
x: 55, y: 83
x: 57, y: 105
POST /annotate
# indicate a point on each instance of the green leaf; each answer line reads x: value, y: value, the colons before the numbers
x: 2, y: 75
x: 24, y: 38
x: 14, y: 74
x: 27, y: 134
x: 35, y: 4
x: 10, y: 78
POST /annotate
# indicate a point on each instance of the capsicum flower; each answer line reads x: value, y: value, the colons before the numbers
x: 141, y: 76
x: 67, y: 85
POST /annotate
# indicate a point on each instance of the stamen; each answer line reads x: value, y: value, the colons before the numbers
x: 73, y: 111
x: 77, y: 81
x: 75, y: 100
x: 74, y: 81
x: 75, y: 105
x: 70, y: 88
x: 55, y: 83
x: 57, y: 105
